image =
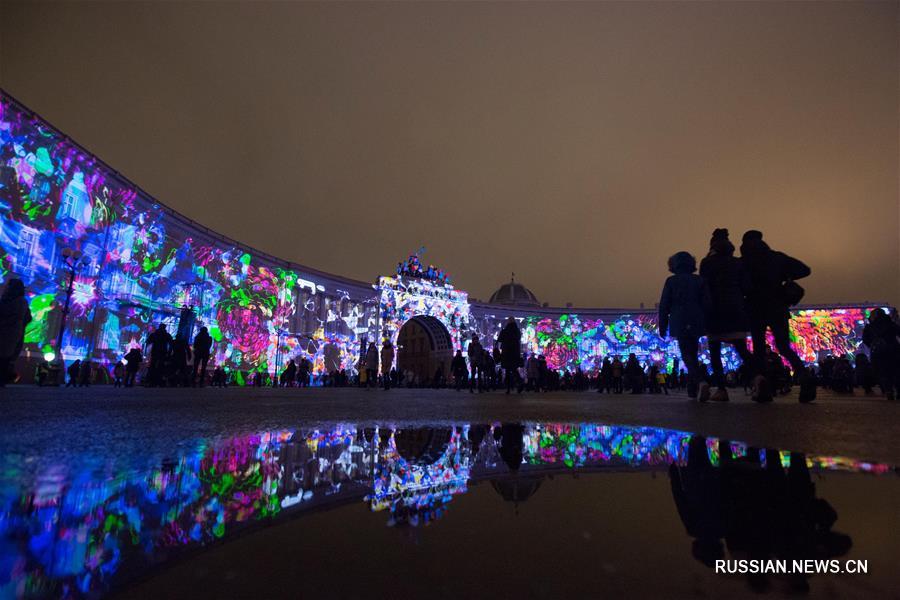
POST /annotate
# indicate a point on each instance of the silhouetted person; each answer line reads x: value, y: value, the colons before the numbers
x: 726, y: 319
x: 761, y: 512
x: 618, y: 371
x: 218, y: 377
x: 74, y: 373
x: 880, y: 335
x: 303, y: 371
x: 533, y: 373
x: 87, y: 372
x: 681, y: 315
x: 133, y: 361
x: 771, y: 276
x: 633, y: 374
x: 118, y: 373
x: 511, y: 444
x: 181, y: 355
x: 14, y: 316
x: 290, y: 373
x: 864, y: 374
x: 202, y: 350
x: 476, y: 364
x: 372, y: 366
x: 387, y: 362
x: 488, y: 370
x: 510, y: 341
x: 697, y: 491
x: 459, y: 369
x: 605, y: 378
x: 160, y: 343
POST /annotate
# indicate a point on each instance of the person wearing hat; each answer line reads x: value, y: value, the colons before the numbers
x: 681, y: 315
x: 771, y: 275
x: 726, y: 316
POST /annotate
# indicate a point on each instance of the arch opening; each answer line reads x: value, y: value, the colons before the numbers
x: 424, y: 349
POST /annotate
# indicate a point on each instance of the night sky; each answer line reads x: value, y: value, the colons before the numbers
x: 577, y: 144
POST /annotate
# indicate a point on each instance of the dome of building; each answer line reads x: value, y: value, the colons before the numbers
x: 514, y: 294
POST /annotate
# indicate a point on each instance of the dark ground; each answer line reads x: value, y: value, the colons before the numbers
x: 102, y: 420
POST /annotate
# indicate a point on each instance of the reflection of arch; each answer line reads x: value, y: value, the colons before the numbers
x: 422, y: 445
x: 423, y: 346
x: 516, y: 489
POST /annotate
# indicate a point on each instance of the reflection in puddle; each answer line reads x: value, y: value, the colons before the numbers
x: 70, y: 530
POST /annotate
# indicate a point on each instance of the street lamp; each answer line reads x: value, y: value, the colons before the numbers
x: 73, y: 260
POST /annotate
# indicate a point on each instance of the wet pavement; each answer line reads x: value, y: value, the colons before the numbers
x: 412, y: 493
x: 859, y: 426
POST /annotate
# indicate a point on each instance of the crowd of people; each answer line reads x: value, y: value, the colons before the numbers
x: 732, y: 297
x: 725, y: 300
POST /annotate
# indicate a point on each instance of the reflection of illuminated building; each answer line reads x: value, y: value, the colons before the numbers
x: 147, y: 261
x: 84, y: 527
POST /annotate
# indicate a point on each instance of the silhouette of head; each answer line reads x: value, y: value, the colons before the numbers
x: 720, y: 244
x: 204, y: 330
x: 14, y: 289
x: 876, y: 314
x: 162, y: 326
x: 682, y: 263
x: 752, y: 236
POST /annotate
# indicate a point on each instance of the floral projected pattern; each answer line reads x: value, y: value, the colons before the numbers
x: 570, y: 341
x: 142, y: 263
x: 69, y: 529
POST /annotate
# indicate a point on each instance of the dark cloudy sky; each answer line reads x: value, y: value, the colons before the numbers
x: 577, y: 144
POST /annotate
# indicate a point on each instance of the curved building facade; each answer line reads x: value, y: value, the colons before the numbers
x: 145, y: 264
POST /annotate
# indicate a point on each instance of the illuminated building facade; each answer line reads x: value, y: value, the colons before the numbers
x: 144, y: 262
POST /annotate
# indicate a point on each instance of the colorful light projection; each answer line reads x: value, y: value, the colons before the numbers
x: 145, y: 263
x: 405, y: 298
x: 570, y: 341
x: 70, y: 529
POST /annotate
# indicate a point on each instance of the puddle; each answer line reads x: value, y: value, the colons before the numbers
x: 505, y: 510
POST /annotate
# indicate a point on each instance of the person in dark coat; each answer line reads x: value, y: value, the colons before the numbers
x: 202, y: 350
x: 133, y: 361
x: 289, y: 374
x: 303, y: 371
x: 459, y: 369
x: 181, y: 355
x: 14, y: 317
x: 510, y: 340
x: 476, y: 361
x: 681, y: 306
x: 372, y: 366
x: 880, y: 335
x: 863, y: 373
x: 387, y: 363
x: 725, y: 317
x: 74, y: 372
x: 769, y: 308
x: 634, y: 374
x: 160, y: 343
x: 87, y: 372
